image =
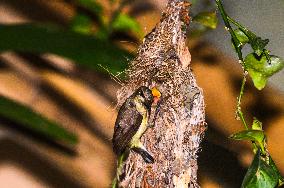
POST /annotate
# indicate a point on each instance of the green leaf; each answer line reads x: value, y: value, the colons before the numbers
x: 256, y: 125
x: 260, y: 69
x: 241, y: 36
x: 259, y: 80
x: 33, y: 121
x: 260, y: 174
x: 123, y: 22
x: 91, y: 5
x: 82, y: 49
x: 253, y: 135
x: 258, y: 45
x: 274, y: 167
x: 81, y: 24
x: 208, y: 19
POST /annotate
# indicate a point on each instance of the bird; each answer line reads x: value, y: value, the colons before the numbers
x: 132, y: 122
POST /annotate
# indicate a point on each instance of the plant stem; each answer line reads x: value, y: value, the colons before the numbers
x: 115, y: 181
x: 247, y: 32
x: 240, y: 113
x: 235, y: 40
x: 239, y: 109
x: 237, y: 45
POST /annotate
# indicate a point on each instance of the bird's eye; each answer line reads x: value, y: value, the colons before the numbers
x: 139, y: 93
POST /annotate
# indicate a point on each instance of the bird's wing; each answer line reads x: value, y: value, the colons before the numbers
x: 127, y: 124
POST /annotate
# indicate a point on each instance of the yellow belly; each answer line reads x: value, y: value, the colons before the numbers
x: 135, y: 141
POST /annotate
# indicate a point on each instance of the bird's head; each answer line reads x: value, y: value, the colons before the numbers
x: 148, y: 96
x: 145, y: 95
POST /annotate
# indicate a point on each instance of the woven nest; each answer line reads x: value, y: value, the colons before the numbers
x: 163, y: 61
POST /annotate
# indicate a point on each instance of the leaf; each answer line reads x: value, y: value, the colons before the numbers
x: 260, y: 174
x: 81, y: 24
x: 260, y: 69
x: 256, y: 125
x: 91, y: 5
x: 241, y: 36
x: 253, y: 135
x: 84, y: 50
x: 123, y: 22
x: 33, y: 121
x: 258, y: 45
x: 208, y: 19
x: 274, y: 167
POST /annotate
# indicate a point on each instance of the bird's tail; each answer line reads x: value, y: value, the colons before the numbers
x: 145, y: 154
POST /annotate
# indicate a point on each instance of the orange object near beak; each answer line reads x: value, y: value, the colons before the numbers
x: 156, y: 92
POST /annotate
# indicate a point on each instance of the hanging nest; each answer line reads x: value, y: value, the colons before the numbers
x: 163, y: 62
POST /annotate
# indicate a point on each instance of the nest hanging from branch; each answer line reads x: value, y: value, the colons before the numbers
x: 163, y: 62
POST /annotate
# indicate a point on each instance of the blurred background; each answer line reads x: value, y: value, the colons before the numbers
x: 62, y: 61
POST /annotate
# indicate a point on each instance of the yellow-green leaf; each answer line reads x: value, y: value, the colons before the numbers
x: 256, y: 125
x: 260, y: 68
x: 208, y: 19
x: 241, y: 36
x: 253, y: 135
x: 258, y: 44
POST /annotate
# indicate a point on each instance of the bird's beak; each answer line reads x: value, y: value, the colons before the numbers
x: 156, y: 94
